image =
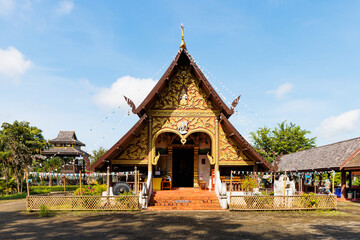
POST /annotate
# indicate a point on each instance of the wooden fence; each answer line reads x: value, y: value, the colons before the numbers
x: 304, y: 202
x: 126, y: 202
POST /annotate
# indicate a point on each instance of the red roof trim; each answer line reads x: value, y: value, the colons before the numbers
x: 347, y: 160
x: 161, y: 84
x: 242, y: 141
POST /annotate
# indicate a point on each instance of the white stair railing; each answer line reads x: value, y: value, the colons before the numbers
x: 220, y: 189
x: 145, y: 194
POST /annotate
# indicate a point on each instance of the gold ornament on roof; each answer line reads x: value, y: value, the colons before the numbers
x: 182, y: 45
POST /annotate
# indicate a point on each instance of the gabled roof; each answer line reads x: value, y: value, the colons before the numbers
x: 329, y: 157
x: 183, y: 58
x: 354, y: 161
x: 247, y: 149
x: 66, y: 137
x: 120, y: 145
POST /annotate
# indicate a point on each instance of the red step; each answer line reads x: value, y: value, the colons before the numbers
x: 184, y: 199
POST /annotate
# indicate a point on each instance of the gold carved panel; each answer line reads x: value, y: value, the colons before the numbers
x: 183, y: 92
x: 229, y: 151
x: 138, y: 147
x: 193, y: 123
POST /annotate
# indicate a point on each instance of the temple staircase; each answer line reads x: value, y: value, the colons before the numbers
x: 184, y: 199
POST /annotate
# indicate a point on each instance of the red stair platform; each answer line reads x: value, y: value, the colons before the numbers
x: 184, y: 199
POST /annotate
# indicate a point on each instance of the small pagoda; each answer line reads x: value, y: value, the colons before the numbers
x: 66, y: 145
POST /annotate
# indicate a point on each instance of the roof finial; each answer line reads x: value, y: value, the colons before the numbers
x: 182, y: 45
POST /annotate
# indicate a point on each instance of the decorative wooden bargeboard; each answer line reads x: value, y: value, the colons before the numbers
x: 126, y: 203
x: 306, y: 202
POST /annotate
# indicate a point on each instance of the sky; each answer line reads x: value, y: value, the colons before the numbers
x: 66, y: 64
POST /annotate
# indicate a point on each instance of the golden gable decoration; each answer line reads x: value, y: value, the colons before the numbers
x: 137, y: 149
x: 183, y: 93
x: 228, y: 149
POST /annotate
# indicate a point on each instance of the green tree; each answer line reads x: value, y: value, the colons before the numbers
x: 24, y: 142
x: 96, y: 154
x: 5, y: 164
x: 52, y: 165
x: 283, y: 139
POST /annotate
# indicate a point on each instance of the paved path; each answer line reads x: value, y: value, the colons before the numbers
x: 15, y: 223
x: 12, y: 205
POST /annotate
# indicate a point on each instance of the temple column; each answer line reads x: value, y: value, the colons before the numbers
x: 170, y: 159
x: 196, y: 157
x: 350, y: 179
x: 217, y: 145
x: 255, y: 170
x: 150, y: 146
x: 343, y: 184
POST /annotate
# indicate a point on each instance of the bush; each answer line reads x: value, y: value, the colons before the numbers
x: 248, y: 183
x: 47, y: 189
x: 44, y: 211
x: 14, y: 196
x: 309, y: 201
x: 95, y: 190
x: 40, y: 190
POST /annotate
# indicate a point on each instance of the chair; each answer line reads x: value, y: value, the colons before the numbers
x: 166, y: 185
x: 202, y: 185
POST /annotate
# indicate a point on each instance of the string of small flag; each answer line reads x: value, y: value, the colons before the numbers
x: 114, y: 112
x: 71, y: 176
x: 315, y: 173
x: 242, y: 119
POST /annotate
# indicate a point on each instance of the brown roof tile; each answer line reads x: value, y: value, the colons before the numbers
x: 332, y: 156
x: 65, y: 137
x: 354, y: 161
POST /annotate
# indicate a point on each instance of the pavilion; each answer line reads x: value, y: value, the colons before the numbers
x: 64, y: 145
x: 341, y: 157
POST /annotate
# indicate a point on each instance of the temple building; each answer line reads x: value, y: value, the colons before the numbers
x: 66, y: 145
x: 183, y: 131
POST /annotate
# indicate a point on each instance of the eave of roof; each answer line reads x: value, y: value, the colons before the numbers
x: 63, y: 151
x: 121, y: 144
x: 247, y: 148
x: 161, y: 84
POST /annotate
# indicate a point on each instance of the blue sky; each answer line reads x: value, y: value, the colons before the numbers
x: 64, y: 65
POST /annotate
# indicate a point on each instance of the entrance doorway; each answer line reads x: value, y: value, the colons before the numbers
x: 183, y: 167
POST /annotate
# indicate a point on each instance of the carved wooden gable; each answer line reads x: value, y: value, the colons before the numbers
x: 183, y: 93
x: 137, y: 148
x: 229, y: 151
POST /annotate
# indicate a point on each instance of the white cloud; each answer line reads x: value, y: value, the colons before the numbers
x: 336, y: 127
x: 13, y: 63
x: 64, y: 7
x: 282, y: 90
x: 6, y: 6
x: 134, y: 88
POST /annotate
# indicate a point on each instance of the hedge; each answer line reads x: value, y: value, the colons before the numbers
x: 41, y: 190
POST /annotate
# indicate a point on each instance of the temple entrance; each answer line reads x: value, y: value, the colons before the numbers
x: 183, y: 167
